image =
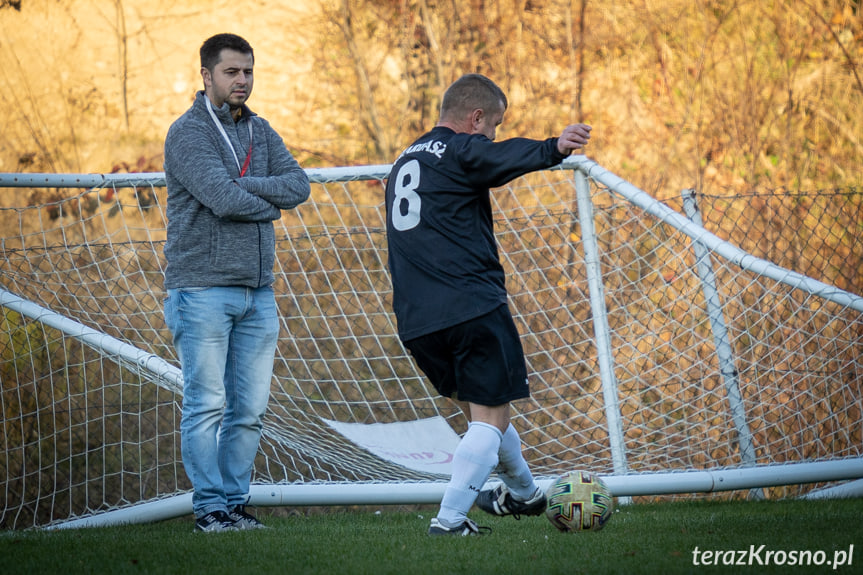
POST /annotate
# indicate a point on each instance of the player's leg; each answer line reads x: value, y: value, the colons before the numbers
x: 487, y: 371
x: 476, y: 454
x: 201, y: 332
x: 248, y: 376
x: 514, y: 471
x: 519, y: 494
x: 473, y: 461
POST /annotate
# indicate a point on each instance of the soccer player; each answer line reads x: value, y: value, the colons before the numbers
x: 229, y: 176
x: 449, y: 293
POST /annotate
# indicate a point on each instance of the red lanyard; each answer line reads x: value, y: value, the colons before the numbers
x: 248, y: 156
x: 228, y: 141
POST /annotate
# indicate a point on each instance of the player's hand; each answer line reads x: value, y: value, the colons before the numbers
x: 574, y: 137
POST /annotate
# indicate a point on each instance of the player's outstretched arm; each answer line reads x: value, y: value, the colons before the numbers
x: 574, y: 137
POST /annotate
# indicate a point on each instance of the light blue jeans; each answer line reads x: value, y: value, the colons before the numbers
x: 226, y: 340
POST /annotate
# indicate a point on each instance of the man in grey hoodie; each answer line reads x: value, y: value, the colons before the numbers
x: 229, y: 175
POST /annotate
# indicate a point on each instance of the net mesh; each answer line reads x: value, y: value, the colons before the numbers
x: 85, y: 430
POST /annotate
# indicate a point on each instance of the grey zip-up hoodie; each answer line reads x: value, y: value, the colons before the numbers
x: 220, y: 225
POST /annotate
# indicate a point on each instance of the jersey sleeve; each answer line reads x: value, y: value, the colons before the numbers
x: 492, y: 164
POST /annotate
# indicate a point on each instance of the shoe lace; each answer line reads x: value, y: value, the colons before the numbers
x: 219, y: 517
x: 478, y: 529
x: 509, y: 505
x: 240, y: 511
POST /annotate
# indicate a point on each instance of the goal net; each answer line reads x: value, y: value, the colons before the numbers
x: 655, y: 348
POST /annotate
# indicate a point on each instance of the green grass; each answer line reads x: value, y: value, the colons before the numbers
x: 643, y: 538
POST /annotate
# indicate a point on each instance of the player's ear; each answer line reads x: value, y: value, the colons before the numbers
x: 476, y: 118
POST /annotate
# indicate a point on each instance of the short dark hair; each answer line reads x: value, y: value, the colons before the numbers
x: 211, y: 49
x: 470, y: 92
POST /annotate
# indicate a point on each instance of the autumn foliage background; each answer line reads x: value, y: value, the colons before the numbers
x: 719, y: 95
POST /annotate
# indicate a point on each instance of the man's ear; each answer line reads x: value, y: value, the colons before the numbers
x: 476, y: 117
x: 208, y: 78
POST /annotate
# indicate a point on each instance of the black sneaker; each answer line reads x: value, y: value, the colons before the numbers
x: 499, y: 501
x: 215, y: 521
x: 465, y: 529
x: 243, y: 520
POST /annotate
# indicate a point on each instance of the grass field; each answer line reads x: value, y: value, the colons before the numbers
x: 642, y: 538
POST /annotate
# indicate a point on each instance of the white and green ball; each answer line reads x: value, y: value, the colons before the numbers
x: 579, y: 501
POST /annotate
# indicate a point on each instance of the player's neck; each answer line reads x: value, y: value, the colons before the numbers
x: 457, y: 127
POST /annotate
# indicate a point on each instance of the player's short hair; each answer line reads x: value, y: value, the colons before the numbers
x: 211, y: 49
x: 469, y: 93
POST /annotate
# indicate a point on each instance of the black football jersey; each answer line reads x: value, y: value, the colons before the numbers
x: 443, y: 256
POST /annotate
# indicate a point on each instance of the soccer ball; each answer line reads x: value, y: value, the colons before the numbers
x: 579, y: 501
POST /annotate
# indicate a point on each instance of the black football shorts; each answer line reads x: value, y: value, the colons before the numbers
x: 480, y: 361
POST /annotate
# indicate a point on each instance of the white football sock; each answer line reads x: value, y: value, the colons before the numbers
x: 473, y: 461
x: 514, y: 470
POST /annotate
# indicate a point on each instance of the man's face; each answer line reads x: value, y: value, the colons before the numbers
x: 231, y: 79
x: 487, y: 123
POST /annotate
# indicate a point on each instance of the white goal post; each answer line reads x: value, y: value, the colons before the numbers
x: 662, y: 357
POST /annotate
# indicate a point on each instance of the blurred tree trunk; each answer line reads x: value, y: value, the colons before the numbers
x: 123, y: 59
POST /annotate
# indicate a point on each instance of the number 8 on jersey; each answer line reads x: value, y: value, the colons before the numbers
x: 407, y: 181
